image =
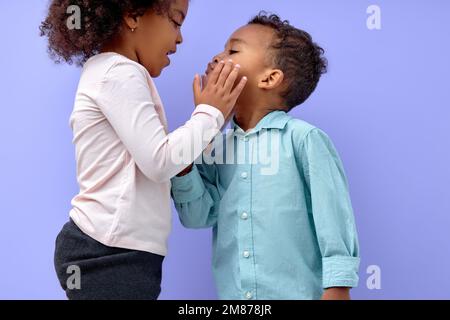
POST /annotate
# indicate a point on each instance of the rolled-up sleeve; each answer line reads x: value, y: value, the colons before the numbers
x: 331, y: 210
x: 187, y: 188
x: 196, y: 197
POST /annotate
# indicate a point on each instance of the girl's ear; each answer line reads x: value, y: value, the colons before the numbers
x: 132, y: 21
x: 272, y: 79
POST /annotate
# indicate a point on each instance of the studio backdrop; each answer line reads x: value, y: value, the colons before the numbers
x: 385, y: 103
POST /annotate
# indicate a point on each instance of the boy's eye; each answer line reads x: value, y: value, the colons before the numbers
x: 178, y: 25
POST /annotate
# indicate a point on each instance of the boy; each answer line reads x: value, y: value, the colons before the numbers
x: 287, y: 231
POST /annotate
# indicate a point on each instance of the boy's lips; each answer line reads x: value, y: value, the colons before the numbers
x: 209, y: 68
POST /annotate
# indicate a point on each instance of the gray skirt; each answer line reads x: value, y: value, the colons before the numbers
x: 89, y: 270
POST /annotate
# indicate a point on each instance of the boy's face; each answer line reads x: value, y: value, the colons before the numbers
x: 249, y: 47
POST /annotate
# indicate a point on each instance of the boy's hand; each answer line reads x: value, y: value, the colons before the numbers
x: 338, y: 293
x: 218, y: 91
x: 185, y: 171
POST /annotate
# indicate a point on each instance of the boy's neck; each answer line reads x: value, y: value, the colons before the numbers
x: 248, y: 118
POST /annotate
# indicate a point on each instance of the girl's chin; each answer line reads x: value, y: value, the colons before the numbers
x: 155, y: 73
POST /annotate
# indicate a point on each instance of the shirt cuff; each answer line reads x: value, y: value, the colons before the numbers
x: 340, y: 271
x: 213, y: 112
x: 188, y: 187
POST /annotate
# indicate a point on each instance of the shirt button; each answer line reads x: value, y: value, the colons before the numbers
x: 244, y: 215
x: 246, y: 254
x: 248, y: 295
x: 244, y: 175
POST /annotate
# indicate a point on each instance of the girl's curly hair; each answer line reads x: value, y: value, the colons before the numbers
x: 100, y: 21
x: 300, y: 59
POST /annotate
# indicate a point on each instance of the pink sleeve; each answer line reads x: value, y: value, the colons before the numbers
x: 126, y: 102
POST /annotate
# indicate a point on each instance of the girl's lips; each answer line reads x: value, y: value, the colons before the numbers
x: 168, y: 54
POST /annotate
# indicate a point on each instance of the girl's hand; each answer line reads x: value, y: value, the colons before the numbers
x: 218, y: 91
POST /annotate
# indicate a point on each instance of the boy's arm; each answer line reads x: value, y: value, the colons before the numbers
x: 341, y: 293
x: 332, y: 214
x: 196, y: 196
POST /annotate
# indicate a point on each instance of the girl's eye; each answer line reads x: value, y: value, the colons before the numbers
x: 233, y: 51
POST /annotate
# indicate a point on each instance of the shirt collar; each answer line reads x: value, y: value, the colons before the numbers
x: 274, y: 120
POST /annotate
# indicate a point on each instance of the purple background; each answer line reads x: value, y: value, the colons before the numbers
x: 384, y: 102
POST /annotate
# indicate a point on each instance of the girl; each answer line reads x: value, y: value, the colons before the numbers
x: 114, y: 244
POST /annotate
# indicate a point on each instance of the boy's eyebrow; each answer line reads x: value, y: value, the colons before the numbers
x: 183, y: 16
x: 236, y: 40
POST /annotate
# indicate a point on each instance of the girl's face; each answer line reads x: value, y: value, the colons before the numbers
x: 157, y: 36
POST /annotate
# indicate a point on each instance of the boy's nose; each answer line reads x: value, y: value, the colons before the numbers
x: 218, y: 57
x: 179, y: 38
x: 212, y: 64
x: 215, y: 60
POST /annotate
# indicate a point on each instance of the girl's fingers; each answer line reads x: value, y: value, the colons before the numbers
x: 225, y: 73
x: 237, y: 91
x: 229, y: 83
x: 216, y: 72
x: 204, y: 81
x: 196, y: 86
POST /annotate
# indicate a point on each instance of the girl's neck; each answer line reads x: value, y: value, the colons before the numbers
x: 117, y: 47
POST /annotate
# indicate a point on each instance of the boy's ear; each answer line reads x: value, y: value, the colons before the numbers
x: 271, y: 79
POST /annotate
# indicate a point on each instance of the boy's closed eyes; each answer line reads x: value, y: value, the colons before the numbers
x: 249, y: 46
x: 283, y: 64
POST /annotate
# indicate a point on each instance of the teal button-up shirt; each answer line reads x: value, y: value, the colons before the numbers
x: 277, y: 200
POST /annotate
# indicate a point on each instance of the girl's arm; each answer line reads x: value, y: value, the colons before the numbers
x: 125, y: 99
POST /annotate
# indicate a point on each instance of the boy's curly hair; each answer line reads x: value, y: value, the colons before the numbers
x: 100, y: 21
x: 300, y: 59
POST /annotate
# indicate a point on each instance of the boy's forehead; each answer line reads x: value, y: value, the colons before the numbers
x: 180, y: 7
x: 252, y: 34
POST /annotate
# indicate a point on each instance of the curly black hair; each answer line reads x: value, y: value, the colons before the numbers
x: 300, y: 59
x: 100, y: 21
